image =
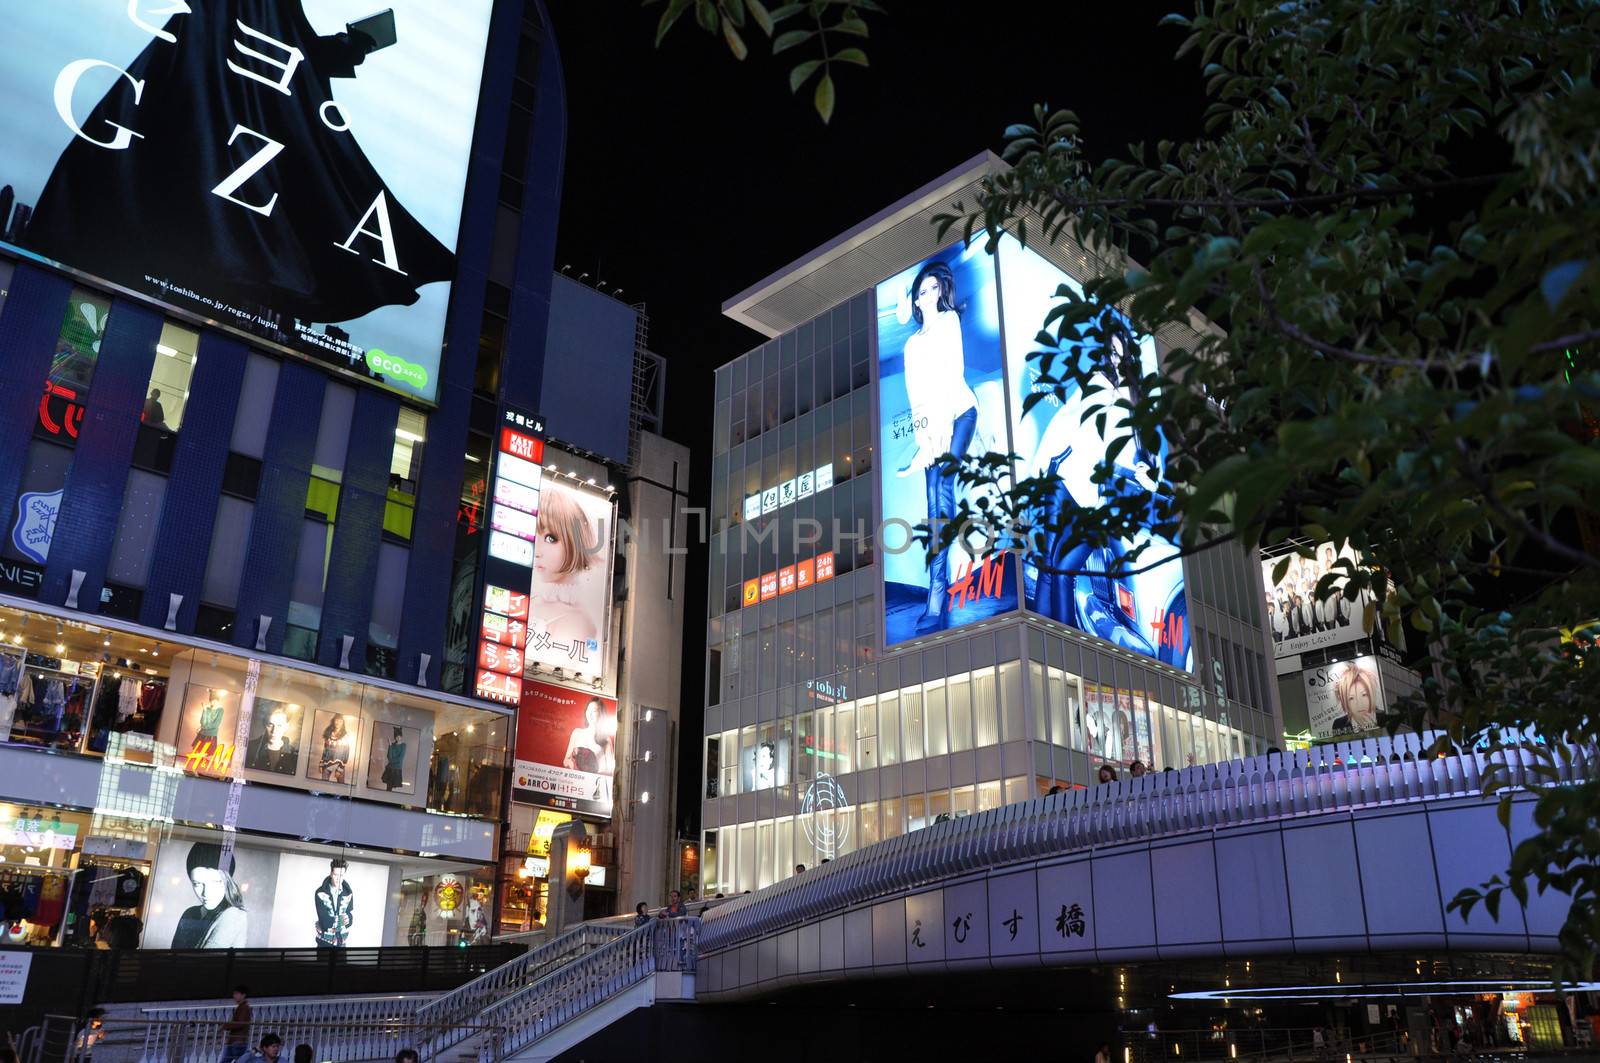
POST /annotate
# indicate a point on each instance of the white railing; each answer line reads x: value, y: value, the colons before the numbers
x: 543, y: 1007
x: 1363, y: 774
x: 339, y: 1028
x: 448, y: 1015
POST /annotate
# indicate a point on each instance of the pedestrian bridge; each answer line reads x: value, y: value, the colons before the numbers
x: 1349, y: 849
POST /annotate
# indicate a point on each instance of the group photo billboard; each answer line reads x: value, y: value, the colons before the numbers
x: 1145, y: 613
x: 1298, y: 620
x: 566, y: 753
x: 941, y: 390
x: 293, y: 169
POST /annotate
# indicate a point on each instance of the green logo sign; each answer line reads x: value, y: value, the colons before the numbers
x: 397, y: 368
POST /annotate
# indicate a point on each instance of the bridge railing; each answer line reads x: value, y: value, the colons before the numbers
x: 542, y: 1007
x: 449, y: 1016
x: 1369, y: 773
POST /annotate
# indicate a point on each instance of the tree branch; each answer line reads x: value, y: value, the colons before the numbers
x: 1321, y: 199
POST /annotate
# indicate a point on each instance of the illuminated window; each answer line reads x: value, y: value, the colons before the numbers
x: 72, y: 364
x: 405, y: 469
x: 167, y: 396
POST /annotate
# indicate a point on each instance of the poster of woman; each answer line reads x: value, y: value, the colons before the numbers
x: 333, y: 747
x: 392, y: 764
x: 940, y: 391
x: 1345, y: 698
x: 569, y: 606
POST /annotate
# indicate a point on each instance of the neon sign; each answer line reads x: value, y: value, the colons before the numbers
x: 514, y: 523
x: 788, y: 579
x: 210, y: 757
x: 821, y: 815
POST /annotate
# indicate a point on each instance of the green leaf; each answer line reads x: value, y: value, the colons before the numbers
x: 735, y: 42
x: 802, y: 73
x: 705, y: 13
x: 674, y: 11
x: 851, y: 55
x: 852, y: 25
x: 791, y: 39
x: 823, y: 100
x: 758, y: 11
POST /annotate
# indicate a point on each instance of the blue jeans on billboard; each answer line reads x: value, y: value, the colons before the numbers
x: 942, y: 508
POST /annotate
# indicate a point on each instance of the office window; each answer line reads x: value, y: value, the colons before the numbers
x: 167, y: 396
x: 959, y: 697
x: 305, y: 594
x: 405, y: 468
x: 388, y: 597
x: 134, y: 542
x: 254, y: 415
x: 230, y: 536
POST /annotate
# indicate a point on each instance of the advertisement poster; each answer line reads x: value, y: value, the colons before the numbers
x: 207, y: 729
x: 566, y: 749
x: 1297, y: 619
x: 1344, y: 699
x: 392, y: 765
x: 333, y: 746
x: 1109, y: 725
x: 1145, y: 613
x: 569, y: 607
x: 274, y: 744
x: 940, y: 390
x: 293, y: 169
x: 765, y: 765
x: 262, y: 898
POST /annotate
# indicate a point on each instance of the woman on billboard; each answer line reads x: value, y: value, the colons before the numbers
x: 219, y: 920
x: 1356, y: 691
x: 589, y: 749
x: 944, y: 409
x: 563, y: 599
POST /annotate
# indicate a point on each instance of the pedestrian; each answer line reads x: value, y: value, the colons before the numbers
x: 270, y: 1049
x: 1319, y: 1043
x: 1137, y: 769
x: 406, y: 1055
x: 303, y: 1053
x: 1103, y: 1053
x: 94, y: 1029
x: 799, y: 869
x: 236, y: 1031
x: 641, y: 914
x: 1107, y: 773
x: 674, y: 906
x: 1056, y: 789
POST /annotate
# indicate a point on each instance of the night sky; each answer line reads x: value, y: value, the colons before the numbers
x: 690, y: 176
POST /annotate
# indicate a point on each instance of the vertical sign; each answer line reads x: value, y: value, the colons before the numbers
x: 508, y: 571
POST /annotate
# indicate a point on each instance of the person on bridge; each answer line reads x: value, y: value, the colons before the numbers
x: 675, y: 907
x: 1107, y: 774
x: 271, y: 1048
x: 641, y: 914
x: 1103, y: 1053
x: 236, y: 1031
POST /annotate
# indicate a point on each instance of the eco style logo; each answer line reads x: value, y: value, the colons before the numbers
x: 395, y: 368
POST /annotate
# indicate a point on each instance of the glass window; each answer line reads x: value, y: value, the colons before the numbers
x: 1011, y: 728
x: 786, y: 859
x: 1017, y: 789
x: 254, y: 414
x: 989, y: 795
x: 765, y: 850
x: 938, y: 723
x: 911, y: 722
x: 77, y: 352
x: 405, y: 468
x: 388, y: 599
x: 33, y: 518
x: 230, y: 536
x: 133, y: 544
x: 305, y: 595
x: 728, y: 764
x: 889, y: 729
x: 844, y: 738
x: 892, y: 818
x: 867, y: 734
x: 1056, y: 695
x: 964, y: 801
x: 985, y: 713
x: 939, y: 807
x: 1041, y: 707
x: 960, y: 702
x: 867, y: 824
x: 747, y: 858
x: 916, y: 812
x: 168, y: 394
x: 333, y: 430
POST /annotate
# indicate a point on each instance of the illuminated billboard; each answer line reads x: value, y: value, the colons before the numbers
x: 516, y: 486
x: 569, y: 609
x: 941, y: 390
x: 1146, y: 613
x: 1298, y: 620
x: 1345, y: 698
x: 292, y: 169
x: 566, y: 754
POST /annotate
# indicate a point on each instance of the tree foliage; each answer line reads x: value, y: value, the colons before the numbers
x: 1391, y: 226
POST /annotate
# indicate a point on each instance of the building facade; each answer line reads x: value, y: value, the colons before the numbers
x: 847, y: 702
x: 245, y: 467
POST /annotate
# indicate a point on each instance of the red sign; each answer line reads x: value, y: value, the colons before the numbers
x: 805, y: 573
x: 510, y: 604
x: 789, y: 578
x: 498, y: 658
x: 769, y: 585
x: 498, y: 687
x: 785, y: 579
x: 987, y: 582
x: 519, y: 445
x: 71, y: 411
x: 752, y: 591
x: 512, y: 633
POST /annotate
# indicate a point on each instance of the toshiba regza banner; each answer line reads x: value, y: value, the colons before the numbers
x: 290, y: 168
x: 941, y: 391
x: 1148, y: 612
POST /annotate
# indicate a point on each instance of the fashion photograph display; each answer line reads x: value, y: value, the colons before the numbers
x: 568, y: 608
x: 207, y: 730
x: 274, y: 743
x: 1058, y: 441
x: 333, y: 746
x: 940, y: 391
x: 392, y: 764
x: 201, y: 898
x: 566, y: 749
x: 291, y: 168
x: 1345, y: 698
x: 328, y: 901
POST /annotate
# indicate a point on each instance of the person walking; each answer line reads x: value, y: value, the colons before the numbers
x: 236, y: 1031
